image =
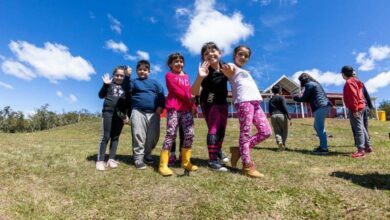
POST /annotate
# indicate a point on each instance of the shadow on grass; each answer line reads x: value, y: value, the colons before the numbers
x: 370, y: 180
x: 128, y: 159
x: 303, y: 151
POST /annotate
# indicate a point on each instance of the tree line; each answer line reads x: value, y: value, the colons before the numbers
x: 385, y: 106
x: 16, y: 121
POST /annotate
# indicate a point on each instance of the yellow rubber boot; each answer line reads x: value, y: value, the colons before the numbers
x: 185, y: 161
x: 163, y: 169
x: 250, y: 170
x: 235, y: 152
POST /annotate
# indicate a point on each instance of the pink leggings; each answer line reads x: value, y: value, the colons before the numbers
x: 186, y: 119
x: 251, y: 113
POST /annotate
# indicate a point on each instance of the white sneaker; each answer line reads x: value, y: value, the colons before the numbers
x: 112, y: 163
x: 100, y: 165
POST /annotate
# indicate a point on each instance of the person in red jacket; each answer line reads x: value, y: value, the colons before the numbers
x: 354, y: 101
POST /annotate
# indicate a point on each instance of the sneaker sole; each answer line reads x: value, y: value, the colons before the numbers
x: 359, y: 156
x: 225, y: 160
x: 149, y: 163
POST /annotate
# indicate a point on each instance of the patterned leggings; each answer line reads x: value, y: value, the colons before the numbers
x: 186, y: 119
x: 251, y: 113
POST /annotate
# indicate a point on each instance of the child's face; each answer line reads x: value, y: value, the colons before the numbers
x: 212, y: 55
x: 241, y: 57
x: 143, y: 71
x: 119, y: 76
x: 177, y: 65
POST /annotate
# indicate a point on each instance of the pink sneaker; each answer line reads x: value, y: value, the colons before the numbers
x: 172, y: 160
x: 359, y: 153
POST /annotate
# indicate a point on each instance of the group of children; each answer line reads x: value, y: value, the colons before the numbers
x: 141, y: 100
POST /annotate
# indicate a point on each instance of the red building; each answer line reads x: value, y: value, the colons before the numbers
x: 296, y: 109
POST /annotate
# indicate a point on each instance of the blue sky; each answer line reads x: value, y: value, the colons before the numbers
x: 55, y: 52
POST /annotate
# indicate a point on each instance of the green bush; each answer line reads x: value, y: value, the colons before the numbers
x: 12, y: 121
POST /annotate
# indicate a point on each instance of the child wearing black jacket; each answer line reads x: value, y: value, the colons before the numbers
x: 114, y: 115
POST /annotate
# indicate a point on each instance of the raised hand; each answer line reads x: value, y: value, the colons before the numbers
x: 227, y: 70
x: 106, y: 78
x: 126, y: 120
x: 203, y: 69
x: 128, y: 71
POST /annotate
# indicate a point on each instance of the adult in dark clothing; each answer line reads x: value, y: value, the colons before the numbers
x: 279, y: 117
x: 114, y: 114
x: 320, y: 106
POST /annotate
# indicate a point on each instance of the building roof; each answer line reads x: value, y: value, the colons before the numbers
x: 286, y: 83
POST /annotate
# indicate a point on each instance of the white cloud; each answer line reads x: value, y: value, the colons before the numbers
x: 375, y: 53
x: 72, y: 98
x: 53, y: 61
x: 129, y: 57
x: 59, y: 94
x: 379, y: 52
x: 265, y: 2
x: 281, y: 2
x: 208, y: 24
x: 366, y: 64
x: 17, y: 69
x: 5, y: 85
x: 379, y: 81
x: 325, y: 78
x: 153, y: 20
x: 118, y: 47
x: 182, y: 11
x: 270, y: 21
x: 156, y: 69
x: 143, y: 55
x: 92, y: 15
x: 115, y: 25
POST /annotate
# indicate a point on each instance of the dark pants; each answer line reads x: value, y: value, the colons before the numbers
x: 365, y: 114
x: 111, y: 129
x: 360, y: 133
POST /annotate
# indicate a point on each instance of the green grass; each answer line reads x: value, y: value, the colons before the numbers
x: 51, y: 175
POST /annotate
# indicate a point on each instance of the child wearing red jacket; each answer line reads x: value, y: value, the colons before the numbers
x: 354, y: 101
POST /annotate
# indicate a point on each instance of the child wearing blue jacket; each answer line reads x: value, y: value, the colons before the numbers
x: 147, y: 103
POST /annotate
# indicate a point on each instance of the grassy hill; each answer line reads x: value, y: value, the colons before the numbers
x: 51, y: 175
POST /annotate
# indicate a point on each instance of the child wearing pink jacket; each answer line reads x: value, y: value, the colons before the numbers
x: 179, y: 105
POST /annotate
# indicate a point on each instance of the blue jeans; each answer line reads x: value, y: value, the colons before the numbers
x: 319, y: 125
